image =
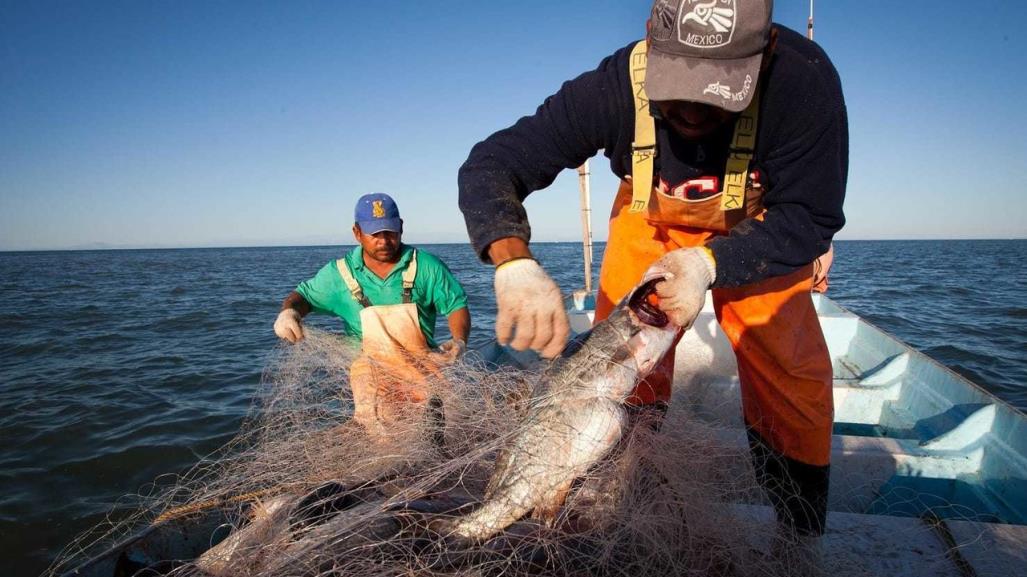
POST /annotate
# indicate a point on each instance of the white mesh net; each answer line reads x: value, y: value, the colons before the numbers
x: 304, y: 490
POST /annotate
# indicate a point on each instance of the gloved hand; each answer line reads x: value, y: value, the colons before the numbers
x: 288, y: 325
x: 688, y: 272
x: 530, y: 302
x: 822, y: 270
x: 453, y: 349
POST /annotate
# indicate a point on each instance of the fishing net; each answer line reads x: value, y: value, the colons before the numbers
x: 305, y: 490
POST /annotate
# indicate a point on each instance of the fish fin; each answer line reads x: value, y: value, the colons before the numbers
x: 549, y: 508
x: 498, y: 473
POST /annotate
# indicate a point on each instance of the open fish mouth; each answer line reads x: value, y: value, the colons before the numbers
x: 641, y: 303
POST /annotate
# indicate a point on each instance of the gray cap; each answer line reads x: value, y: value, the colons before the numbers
x: 707, y: 51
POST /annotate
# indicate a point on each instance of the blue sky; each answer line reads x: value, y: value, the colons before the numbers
x: 138, y: 124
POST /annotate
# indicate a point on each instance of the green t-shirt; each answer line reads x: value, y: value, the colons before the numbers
x: 436, y: 291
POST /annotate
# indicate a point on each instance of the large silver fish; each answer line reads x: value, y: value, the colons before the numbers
x: 575, y: 416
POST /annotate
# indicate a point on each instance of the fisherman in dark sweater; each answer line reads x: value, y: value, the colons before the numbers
x: 729, y: 134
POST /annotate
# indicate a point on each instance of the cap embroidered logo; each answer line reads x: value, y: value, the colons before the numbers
x: 718, y: 88
x: 662, y: 20
x: 707, y: 24
x: 713, y: 53
x: 376, y: 209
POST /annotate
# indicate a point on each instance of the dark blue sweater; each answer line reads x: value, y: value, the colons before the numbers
x: 801, y: 152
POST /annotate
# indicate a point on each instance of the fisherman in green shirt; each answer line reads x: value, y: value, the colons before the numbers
x: 388, y: 294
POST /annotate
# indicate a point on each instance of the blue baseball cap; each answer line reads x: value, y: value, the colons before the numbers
x: 377, y: 212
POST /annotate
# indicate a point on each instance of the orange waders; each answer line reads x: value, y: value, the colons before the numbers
x: 783, y: 364
x: 389, y: 378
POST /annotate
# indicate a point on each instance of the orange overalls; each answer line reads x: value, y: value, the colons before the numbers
x: 784, y: 367
x: 389, y: 379
x: 783, y: 364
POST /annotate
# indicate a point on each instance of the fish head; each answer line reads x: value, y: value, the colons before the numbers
x: 653, y: 333
x: 620, y: 349
x: 643, y: 332
x: 650, y: 344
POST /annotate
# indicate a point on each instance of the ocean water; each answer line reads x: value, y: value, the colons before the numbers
x: 119, y: 366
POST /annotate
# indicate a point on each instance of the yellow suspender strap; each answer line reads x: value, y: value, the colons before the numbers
x: 410, y: 272
x: 743, y: 144
x: 643, y: 149
x: 351, y: 283
x: 358, y: 293
x: 408, y: 277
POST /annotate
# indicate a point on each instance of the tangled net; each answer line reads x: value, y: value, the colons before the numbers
x: 302, y: 490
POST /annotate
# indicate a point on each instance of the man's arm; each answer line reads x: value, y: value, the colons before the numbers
x: 296, y: 301
x: 507, y: 249
x: 443, y: 292
x: 460, y: 323
x: 288, y: 325
x: 803, y: 152
x: 803, y: 212
x: 591, y: 112
x: 460, y: 327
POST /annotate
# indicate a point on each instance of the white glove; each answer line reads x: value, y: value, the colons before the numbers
x: 530, y: 302
x: 288, y: 325
x: 453, y: 349
x: 688, y: 273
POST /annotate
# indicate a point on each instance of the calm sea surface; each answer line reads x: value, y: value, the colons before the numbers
x: 118, y: 366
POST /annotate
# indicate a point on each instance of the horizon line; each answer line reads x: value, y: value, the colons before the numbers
x: 102, y: 247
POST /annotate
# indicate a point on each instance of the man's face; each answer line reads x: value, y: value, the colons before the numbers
x: 692, y: 120
x: 381, y: 246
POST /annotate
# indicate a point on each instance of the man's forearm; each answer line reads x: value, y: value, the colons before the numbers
x: 460, y: 324
x: 296, y: 301
x: 509, y: 248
